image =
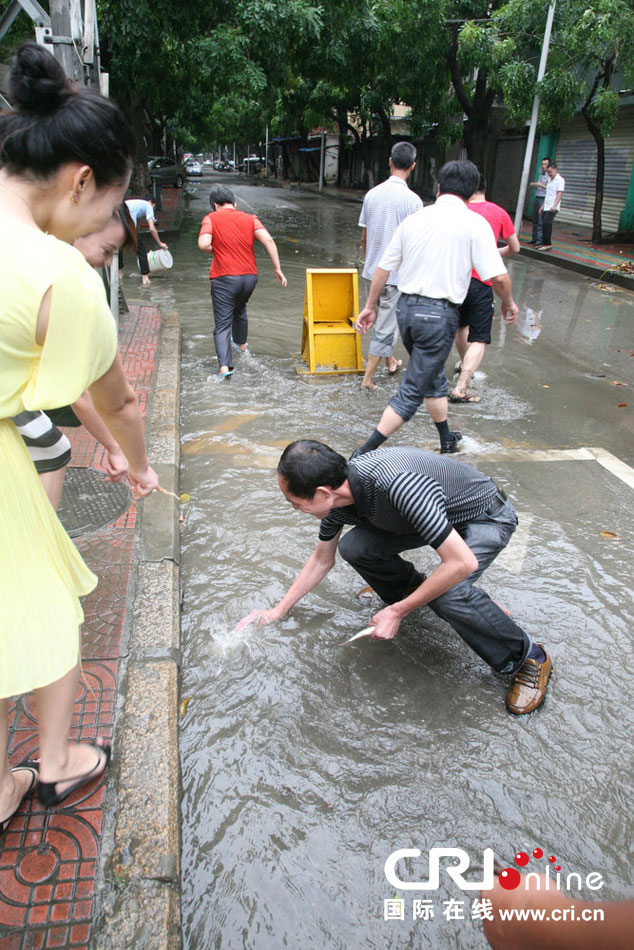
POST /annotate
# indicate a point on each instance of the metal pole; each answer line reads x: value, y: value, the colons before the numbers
x: 519, y: 211
x: 266, y: 154
x: 321, y: 160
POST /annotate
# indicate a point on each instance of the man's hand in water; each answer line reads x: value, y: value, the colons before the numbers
x: 386, y: 624
x: 259, y: 617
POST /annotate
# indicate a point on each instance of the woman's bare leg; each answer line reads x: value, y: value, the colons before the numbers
x: 60, y: 759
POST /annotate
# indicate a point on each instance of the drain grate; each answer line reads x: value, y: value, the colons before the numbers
x: 89, y: 503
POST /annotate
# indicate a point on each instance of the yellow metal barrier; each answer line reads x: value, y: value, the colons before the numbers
x: 330, y: 343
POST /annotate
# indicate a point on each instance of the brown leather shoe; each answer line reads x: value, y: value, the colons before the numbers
x: 529, y: 686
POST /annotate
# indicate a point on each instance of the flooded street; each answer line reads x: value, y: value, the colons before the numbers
x: 306, y: 763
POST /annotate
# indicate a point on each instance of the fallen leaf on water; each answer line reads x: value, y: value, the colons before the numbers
x: 622, y: 405
x: 182, y: 706
x: 615, y: 382
x: 545, y: 386
x: 186, y: 497
x: 610, y: 534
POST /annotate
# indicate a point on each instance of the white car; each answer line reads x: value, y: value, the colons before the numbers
x: 194, y: 169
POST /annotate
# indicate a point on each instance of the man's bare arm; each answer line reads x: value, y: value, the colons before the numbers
x: 313, y: 572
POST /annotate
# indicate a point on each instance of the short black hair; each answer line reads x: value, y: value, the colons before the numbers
x: 403, y: 155
x: 552, y: 164
x: 306, y: 465
x: 482, y: 184
x: 54, y: 122
x: 221, y: 195
x: 458, y: 178
x: 545, y: 158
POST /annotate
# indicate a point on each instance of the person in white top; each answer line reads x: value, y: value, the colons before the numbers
x: 144, y: 208
x: 384, y: 207
x: 552, y: 204
x: 435, y: 251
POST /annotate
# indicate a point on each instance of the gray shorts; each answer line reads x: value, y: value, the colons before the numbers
x: 385, y: 330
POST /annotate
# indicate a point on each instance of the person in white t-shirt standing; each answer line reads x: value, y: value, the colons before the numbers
x: 552, y: 204
x: 384, y: 207
x: 434, y: 250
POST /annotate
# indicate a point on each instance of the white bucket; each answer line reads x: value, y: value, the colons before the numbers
x: 159, y: 260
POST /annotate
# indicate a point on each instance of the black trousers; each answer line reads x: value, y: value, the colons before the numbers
x: 141, y: 254
x: 547, y: 226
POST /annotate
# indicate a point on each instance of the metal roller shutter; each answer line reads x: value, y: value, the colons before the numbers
x: 577, y: 161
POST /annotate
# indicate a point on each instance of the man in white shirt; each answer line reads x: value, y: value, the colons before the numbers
x: 435, y: 251
x: 552, y: 204
x: 384, y: 207
x: 144, y: 208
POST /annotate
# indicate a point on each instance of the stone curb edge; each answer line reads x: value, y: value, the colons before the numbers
x: 138, y: 885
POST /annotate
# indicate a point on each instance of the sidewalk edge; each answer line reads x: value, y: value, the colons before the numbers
x: 138, y: 885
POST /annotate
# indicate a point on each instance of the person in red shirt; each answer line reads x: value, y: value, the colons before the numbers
x: 229, y: 235
x: 476, y: 313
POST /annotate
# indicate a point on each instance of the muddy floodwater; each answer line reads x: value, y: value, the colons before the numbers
x: 305, y: 762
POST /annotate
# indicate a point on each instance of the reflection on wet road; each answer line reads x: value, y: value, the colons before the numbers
x: 305, y: 763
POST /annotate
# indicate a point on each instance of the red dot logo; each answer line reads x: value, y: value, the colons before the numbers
x: 521, y: 858
x: 558, y: 868
x: 510, y: 878
x: 538, y: 853
x: 552, y: 859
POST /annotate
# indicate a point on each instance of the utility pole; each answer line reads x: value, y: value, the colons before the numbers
x: 321, y: 160
x: 519, y: 211
x: 63, y: 45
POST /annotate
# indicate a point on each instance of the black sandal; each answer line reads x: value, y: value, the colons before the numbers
x: 46, y: 790
x: 4, y: 824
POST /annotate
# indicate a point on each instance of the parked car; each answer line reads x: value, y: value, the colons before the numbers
x: 223, y: 165
x: 252, y: 165
x: 168, y: 172
x: 194, y: 168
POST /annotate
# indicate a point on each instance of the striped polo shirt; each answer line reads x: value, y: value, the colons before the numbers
x: 384, y: 207
x: 410, y: 491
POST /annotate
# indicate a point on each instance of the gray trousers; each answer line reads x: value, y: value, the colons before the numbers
x: 229, y: 296
x: 484, y: 626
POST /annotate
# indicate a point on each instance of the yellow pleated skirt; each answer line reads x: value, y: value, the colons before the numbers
x: 42, y: 576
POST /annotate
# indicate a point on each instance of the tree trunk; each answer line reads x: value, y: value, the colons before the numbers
x: 595, y: 132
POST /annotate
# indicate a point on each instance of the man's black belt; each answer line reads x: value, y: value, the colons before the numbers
x: 422, y: 299
x: 497, y: 503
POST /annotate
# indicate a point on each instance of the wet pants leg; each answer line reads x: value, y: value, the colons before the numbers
x: 469, y: 610
x: 229, y: 296
x: 374, y: 554
x: 428, y: 327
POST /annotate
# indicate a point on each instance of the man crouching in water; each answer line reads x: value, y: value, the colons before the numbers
x: 399, y: 499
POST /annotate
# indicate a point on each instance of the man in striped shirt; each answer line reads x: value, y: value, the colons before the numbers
x: 399, y: 499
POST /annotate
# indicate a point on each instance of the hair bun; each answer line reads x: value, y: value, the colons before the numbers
x: 37, y: 82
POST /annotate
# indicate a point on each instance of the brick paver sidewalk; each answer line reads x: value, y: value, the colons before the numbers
x: 48, y: 859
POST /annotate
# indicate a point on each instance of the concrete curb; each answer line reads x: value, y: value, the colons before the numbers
x: 579, y: 267
x: 139, y: 876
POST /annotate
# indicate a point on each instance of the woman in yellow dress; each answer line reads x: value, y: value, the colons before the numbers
x: 66, y: 157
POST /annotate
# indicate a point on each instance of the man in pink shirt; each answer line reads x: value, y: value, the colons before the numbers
x: 476, y: 312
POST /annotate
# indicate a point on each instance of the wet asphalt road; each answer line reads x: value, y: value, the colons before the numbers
x: 306, y: 764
